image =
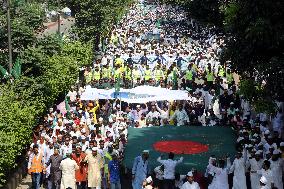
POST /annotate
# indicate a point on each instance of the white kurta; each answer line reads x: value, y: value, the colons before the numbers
x: 268, y: 175
x: 277, y: 170
x: 220, y: 180
x: 95, y: 164
x: 239, y: 179
x: 68, y: 167
x: 193, y: 185
x: 140, y: 170
x: 254, y: 167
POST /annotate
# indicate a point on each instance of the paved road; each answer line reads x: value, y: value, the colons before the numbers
x: 52, y: 27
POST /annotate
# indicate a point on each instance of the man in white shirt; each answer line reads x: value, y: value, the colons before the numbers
x: 152, y: 114
x: 181, y: 116
x: 169, y: 170
x: 190, y: 184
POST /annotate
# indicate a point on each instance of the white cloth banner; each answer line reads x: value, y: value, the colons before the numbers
x: 140, y: 94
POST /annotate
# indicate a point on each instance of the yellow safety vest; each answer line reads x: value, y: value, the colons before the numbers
x: 148, y: 75
x: 210, y: 76
x: 128, y: 74
x: 117, y: 73
x: 96, y: 75
x: 89, y: 77
x: 221, y: 72
x: 189, y: 75
x: 159, y: 74
x: 107, y: 159
x: 230, y: 78
x: 136, y: 74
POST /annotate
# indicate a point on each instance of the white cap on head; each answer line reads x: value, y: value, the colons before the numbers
x: 149, y: 179
x: 83, y: 137
x: 190, y: 174
x: 94, y: 148
x: 263, y: 180
x: 258, y: 152
x: 138, y: 106
x: 267, y: 132
x: 101, y: 119
x: 276, y: 152
x: 255, y: 135
x: 281, y: 144
x: 146, y: 151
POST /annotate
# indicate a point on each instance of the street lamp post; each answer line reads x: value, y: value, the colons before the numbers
x: 58, y: 14
x: 9, y: 37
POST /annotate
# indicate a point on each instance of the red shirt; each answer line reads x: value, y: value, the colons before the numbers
x: 81, y: 173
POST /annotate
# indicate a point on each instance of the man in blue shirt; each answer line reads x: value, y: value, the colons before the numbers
x: 114, y: 174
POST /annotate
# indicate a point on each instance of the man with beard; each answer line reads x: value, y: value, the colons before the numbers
x: 140, y: 169
x: 255, y: 164
x: 55, y: 173
x: 81, y: 173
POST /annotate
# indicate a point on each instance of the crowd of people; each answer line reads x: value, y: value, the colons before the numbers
x: 158, y: 46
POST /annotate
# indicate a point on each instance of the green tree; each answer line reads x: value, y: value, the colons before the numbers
x: 256, y: 48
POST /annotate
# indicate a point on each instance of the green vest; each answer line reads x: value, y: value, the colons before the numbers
x: 128, y: 74
x: 107, y: 158
x: 158, y: 74
x: 210, y: 76
x: 117, y: 73
x: 136, y: 74
x: 96, y: 75
x: 189, y: 75
x: 147, y: 75
x: 230, y: 78
x: 89, y: 77
x: 221, y: 72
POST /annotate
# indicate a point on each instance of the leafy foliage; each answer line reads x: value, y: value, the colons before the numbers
x: 257, y: 42
x: 94, y: 19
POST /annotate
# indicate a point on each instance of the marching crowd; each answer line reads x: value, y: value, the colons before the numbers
x: 83, y: 146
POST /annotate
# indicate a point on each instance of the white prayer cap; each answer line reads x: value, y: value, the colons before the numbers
x: 240, y: 138
x: 190, y: 174
x: 101, y: 119
x: 94, y: 148
x: 258, y: 152
x: 232, y: 103
x: 32, y: 145
x: 138, y: 106
x: 281, y: 144
x: 149, y: 179
x: 250, y: 146
x: 83, y: 130
x: 263, y: 180
x: 255, y: 135
x: 80, y: 111
x: 267, y: 132
x: 83, y: 137
x: 276, y: 152
x: 270, y: 137
x: 146, y: 151
x: 50, y: 109
x: 110, y: 144
x: 267, y: 152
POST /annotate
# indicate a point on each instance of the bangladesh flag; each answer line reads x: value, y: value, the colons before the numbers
x: 175, y: 81
x: 4, y: 72
x: 194, y: 143
x: 67, y: 107
x: 16, y: 72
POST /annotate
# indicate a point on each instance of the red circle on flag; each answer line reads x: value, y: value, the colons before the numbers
x: 180, y: 147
